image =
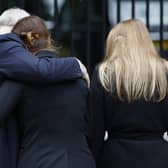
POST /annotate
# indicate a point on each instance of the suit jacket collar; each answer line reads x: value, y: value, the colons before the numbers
x: 10, y: 37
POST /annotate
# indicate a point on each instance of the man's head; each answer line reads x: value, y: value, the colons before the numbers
x: 10, y: 17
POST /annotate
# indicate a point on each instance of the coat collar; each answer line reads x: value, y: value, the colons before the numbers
x: 10, y: 37
x: 46, y: 53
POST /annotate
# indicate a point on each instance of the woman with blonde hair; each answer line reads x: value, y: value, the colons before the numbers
x: 128, y: 99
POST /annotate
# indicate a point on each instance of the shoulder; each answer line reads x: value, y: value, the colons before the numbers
x: 10, y: 41
x: 10, y: 37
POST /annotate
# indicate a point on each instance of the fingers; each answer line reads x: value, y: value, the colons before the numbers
x: 86, y: 77
x: 84, y: 72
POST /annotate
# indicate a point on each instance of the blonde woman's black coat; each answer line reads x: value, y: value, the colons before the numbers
x: 135, y: 130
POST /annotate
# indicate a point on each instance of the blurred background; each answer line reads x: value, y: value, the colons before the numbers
x: 81, y: 26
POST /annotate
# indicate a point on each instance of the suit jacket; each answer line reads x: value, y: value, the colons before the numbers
x: 135, y: 130
x: 9, y: 97
x: 19, y: 64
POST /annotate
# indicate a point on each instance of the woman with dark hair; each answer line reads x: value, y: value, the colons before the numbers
x: 51, y: 117
x: 129, y: 101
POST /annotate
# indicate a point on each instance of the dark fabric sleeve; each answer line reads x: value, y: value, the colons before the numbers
x: 96, y: 117
x: 10, y: 93
x: 19, y: 64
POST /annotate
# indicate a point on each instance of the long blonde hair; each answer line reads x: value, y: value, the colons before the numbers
x: 132, y: 68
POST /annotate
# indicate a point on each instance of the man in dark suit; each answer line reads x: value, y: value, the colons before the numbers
x: 18, y: 64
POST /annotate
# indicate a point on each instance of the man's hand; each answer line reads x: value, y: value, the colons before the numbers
x: 84, y: 72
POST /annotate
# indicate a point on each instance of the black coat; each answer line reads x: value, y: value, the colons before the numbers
x: 53, y: 126
x: 135, y: 130
x: 9, y: 97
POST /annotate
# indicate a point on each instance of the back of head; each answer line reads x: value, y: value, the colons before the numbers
x: 132, y: 38
x: 132, y: 67
x: 34, y: 33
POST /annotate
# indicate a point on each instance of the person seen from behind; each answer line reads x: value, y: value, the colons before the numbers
x: 129, y: 101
